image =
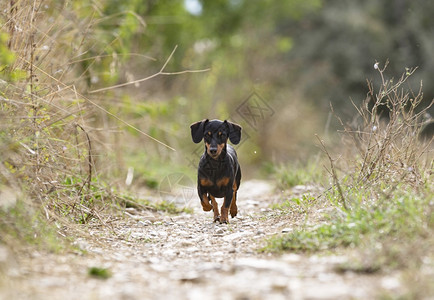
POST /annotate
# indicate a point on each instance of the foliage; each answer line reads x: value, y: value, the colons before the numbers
x: 382, y: 188
x: 335, y: 50
x: 50, y: 159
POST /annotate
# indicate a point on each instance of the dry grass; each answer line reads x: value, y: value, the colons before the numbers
x: 385, y: 148
x: 45, y: 134
x: 51, y: 138
x: 382, y: 189
x: 60, y: 144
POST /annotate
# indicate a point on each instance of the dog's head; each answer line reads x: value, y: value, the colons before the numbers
x: 215, y: 134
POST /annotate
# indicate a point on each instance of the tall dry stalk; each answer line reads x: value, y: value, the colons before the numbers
x: 385, y: 146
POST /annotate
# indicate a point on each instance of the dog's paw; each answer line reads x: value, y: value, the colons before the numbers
x: 224, y: 221
x: 206, y: 206
x: 217, y: 219
x: 224, y: 215
x: 234, y: 210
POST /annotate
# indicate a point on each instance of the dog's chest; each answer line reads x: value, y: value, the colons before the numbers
x: 215, y: 176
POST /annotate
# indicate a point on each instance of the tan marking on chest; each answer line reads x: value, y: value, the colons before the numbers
x: 223, y: 182
x: 206, y: 182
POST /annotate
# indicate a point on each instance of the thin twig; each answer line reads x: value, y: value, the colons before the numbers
x: 72, y: 88
x: 159, y: 73
x: 89, y: 160
x: 334, y: 175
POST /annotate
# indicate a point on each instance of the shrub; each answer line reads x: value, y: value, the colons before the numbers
x: 381, y: 185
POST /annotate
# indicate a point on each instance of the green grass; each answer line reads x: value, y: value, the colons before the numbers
x: 385, y: 230
x: 299, y: 204
x: 101, y: 273
x: 139, y: 203
x: 298, y: 173
x: 151, y: 171
x: 25, y: 225
x: 83, y: 201
x: 170, y: 207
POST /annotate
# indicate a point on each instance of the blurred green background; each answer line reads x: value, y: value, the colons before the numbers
x: 272, y: 66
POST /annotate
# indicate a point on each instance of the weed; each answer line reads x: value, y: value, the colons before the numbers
x: 101, y: 273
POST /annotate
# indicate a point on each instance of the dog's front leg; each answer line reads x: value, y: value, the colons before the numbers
x: 233, y: 207
x: 215, y: 208
x: 205, y: 202
x: 203, y: 196
x: 225, y: 207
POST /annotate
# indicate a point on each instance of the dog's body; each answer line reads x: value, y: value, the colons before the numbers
x: 219, y: 173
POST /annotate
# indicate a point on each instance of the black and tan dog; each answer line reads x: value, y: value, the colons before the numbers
x: 219, y: 173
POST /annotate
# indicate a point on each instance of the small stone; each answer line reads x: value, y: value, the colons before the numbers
x: 150, y: 218
x: 131, y: 210
x: 280, y: 284
x: 219, y: 230
x: 169, y: 253
x: 390, y: 283
x: 236, y: 235
x: 97, y: 251
x: 192, y: 249
x: 190, y: 277
x: 286, y: 230
x: 145, y: 223
x: 291, y: 258
x: 262, y: 265
x: 153, y: 260
x: 206, y: 243
x: 186, y: 243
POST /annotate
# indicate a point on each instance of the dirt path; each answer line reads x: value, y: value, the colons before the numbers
x: 156, y: 256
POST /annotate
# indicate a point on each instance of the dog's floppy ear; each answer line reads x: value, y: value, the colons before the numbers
x: 234, y: 132
x: 197, y: 130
